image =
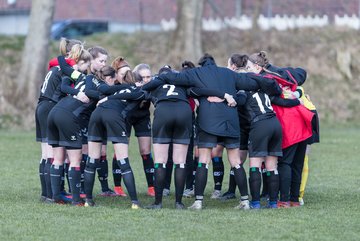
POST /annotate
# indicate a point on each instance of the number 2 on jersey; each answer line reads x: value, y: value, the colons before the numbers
x: 171, y: 90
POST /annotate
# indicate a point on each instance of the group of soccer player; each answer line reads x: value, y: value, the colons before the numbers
x: 250, y: 108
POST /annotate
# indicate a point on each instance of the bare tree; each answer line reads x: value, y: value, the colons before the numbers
x: 256, y: 13
x: 35, y: 54
x: 186, y: 41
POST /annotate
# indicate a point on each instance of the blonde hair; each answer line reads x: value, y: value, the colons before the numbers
x: 66, y: 45
x: 78, y: 53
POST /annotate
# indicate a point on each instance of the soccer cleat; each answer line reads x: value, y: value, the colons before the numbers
x: 119, y: 191
x: 295, y: 204
x: 135, y: 205
x: 244, y: 205
x: 42, y: 199
x: 227, y: 196
x: 108, y: 193
x: 78, y: 204
x: 301, y: 201
x: 264, y: 197
x: 151, y: 191
x: 216, y: 194
x: 89, y: 202
x: 255, y: 205
x: 197, y: 205
x: 154, y: 206
x: 272, y: 205
x: 179, y: 206
x: 189, y: 193
x: 281, y: 204
x: 166, y: 192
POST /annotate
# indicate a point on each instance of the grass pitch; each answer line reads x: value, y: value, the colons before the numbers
x: 331, y: 211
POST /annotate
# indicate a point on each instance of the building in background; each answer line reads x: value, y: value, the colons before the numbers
x: 133, y: 15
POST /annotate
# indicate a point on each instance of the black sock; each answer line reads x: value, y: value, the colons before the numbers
x: 196, y: 163
x: 200, y: 180
x: 75, y: 183
x: 128, y: 177
x: 65, y: 176
x: 160, y: 176
x: 55, y: 176
x: 180, y: 176
x: 82, y: 169
x: 42, y: 177
x: 148, y: 164
x: 255, y: 183
x: 47, y: 167
x: 265, y: 190
x: 241, y: 182
x: 103, y: 172
x: 169, y: 170
x: 273, y: 185
x: 218, y: 172
x: 116, y: 172
x: 232, y: 183
x: 89, y: 176
x: 189, y: 173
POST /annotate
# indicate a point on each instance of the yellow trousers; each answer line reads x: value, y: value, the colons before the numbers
x: 304, y: 175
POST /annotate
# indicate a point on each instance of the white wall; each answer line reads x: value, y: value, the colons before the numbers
x: 14, y: 25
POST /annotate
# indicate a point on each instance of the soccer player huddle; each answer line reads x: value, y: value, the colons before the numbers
x: 251, y: 108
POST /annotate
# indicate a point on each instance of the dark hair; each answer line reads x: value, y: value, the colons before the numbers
x: 165, y: 69
x: 187, y: 65
x: 204, y: 58
x: 94, y: 51
x: 129, y: 77
x: 259, y: 59
x: 239, y: 60
x: 106, y: 71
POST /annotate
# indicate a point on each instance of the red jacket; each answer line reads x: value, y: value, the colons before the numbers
x: 295, y: 121
x: 54, y: 62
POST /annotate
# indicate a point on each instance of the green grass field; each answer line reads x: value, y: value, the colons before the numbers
x: 331, y: 211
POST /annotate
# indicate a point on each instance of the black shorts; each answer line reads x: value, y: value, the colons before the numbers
x: 41, y: 115
x: 265, y: 138
x: 142, y: 126
x: 172, y: 122
x: 84, y: 125
x: 107, y: 124
x: 64, y: 129
x: 244, y: 137
x: 207, y: 140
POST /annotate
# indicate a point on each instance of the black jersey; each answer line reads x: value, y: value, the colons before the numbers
x: 217, y: 118
x: 121, y: 99
x: 258, y: 105
x: 88, y: 85
x: 50, y: 88
x: 161, y: 91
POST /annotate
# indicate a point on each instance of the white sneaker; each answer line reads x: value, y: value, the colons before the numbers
x: 216, y: 194
x: 301, y: 201
x: 189, y: 193
x: 197, y: 205
x: 244, y: 205
x: 166, y: 192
